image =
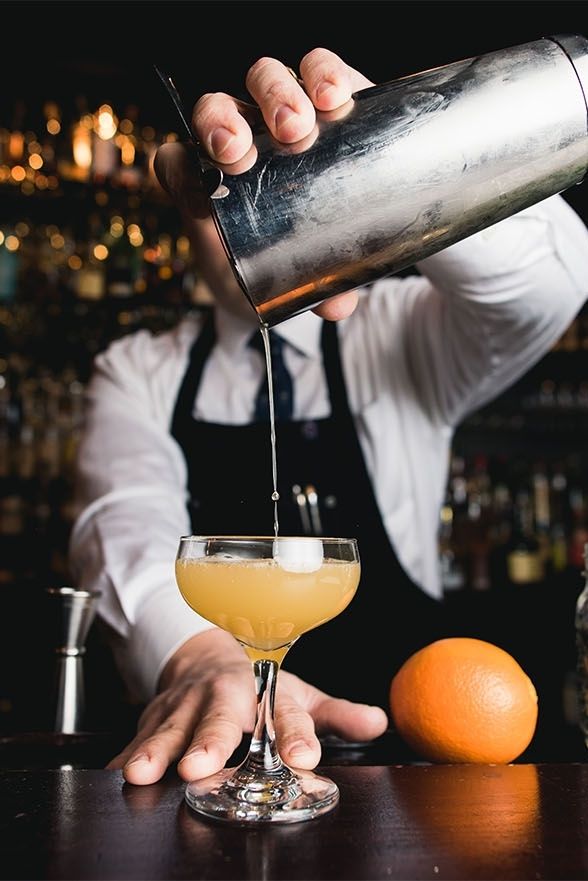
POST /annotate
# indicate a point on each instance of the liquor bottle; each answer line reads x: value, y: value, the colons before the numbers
x: 90, y: 276
x: 524, y: 560
x: 451, y: 566
x: 500, y: 530
x: 542, y: 515
x: 79, y: 165
x: 105, y: 153
x: 9, y: 268
x: 453, y: 528
x: 559, y: 540
x: 122, y: 266
x: 49, y: 138
x: 480, y: 518
x: 132, y: 169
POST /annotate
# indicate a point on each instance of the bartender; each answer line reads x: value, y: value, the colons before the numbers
x: 370, y: 388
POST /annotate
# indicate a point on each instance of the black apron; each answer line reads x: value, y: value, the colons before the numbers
x: 230, y: 483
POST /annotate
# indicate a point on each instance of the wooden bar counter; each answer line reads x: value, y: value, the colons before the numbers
x: 410, y: 821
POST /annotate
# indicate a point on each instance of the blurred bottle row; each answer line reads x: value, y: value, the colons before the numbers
x: 511, y: 522
x: 41, y: 415
x: 43, y: 146
x: 84, y: 221
x: 90, y: 249
x: 67, y: 297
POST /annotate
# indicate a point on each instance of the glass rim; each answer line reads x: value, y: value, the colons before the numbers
x: 272, y: 538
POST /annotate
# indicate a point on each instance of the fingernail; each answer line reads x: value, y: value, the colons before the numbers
x: 220, y: 140
x: 324, y: 88
x: 194, y: 754
x: 143, y: 757
x: 283, y: 114
x: 300, y: 748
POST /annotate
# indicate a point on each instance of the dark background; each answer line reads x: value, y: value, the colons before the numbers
x: 111, y: 45
x: 107, y: 49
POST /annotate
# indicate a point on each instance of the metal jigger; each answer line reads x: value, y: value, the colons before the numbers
x: 76, y: 613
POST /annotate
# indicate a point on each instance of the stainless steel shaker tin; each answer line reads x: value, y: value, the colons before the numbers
x: 414, y: 165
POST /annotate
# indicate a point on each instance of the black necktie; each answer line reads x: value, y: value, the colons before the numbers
x: 282, y: 381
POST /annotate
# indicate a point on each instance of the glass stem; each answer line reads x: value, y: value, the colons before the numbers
x: 263, y: 753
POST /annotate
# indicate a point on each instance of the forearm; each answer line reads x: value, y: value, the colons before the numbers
x: 126, y: 549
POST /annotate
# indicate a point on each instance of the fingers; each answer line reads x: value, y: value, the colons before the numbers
x: 349, y: 720
x: 218, y: 708
x: 160, y: 740
x: 287, y: 106
x: 177, y: 171
x: 336, y: 308
x: 328, y: 80
x: 302, y: 710
x: 299, y: 746
x: 296, y: 728
x: 218, y: 736
x: 287, y: 110
x: 221, y: 128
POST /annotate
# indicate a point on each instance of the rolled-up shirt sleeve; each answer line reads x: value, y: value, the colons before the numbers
x: 501, y: 299
x: 445, y: 342
x: 131, y: 498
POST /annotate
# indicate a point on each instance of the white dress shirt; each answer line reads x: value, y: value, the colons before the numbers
x: 419, y: 354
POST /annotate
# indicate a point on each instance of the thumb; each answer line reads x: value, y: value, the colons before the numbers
x: 176, y: 168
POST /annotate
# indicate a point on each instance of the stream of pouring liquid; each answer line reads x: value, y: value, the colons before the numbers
x: 264, y: 330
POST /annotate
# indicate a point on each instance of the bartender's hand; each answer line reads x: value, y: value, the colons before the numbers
x: 220, y: 124
x: 207, y: 703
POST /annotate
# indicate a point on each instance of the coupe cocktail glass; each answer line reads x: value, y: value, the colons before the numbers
x: 266, y: 591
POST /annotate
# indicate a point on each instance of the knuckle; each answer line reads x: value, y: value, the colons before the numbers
x: 169, y: 734
x: 171, y: 727
x: 315, y: 56
x: 258, y: 69
x: 205, y: 101
x: 219, y: 727
x: 210, y: 108
x: 319, y: 57
x: 273, y: 79
x: 292, y: 717
x: 322, y: 64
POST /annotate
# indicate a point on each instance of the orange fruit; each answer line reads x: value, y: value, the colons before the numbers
x: 464, y: 700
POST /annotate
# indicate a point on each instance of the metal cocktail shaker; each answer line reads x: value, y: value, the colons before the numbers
x: 411, y: 167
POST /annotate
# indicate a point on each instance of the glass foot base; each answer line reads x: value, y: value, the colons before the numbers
x: 285, y: 796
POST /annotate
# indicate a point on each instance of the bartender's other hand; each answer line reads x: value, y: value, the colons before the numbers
x: 207, y: 703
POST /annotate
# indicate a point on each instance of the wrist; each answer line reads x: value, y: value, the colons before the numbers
x: 201, y: 649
